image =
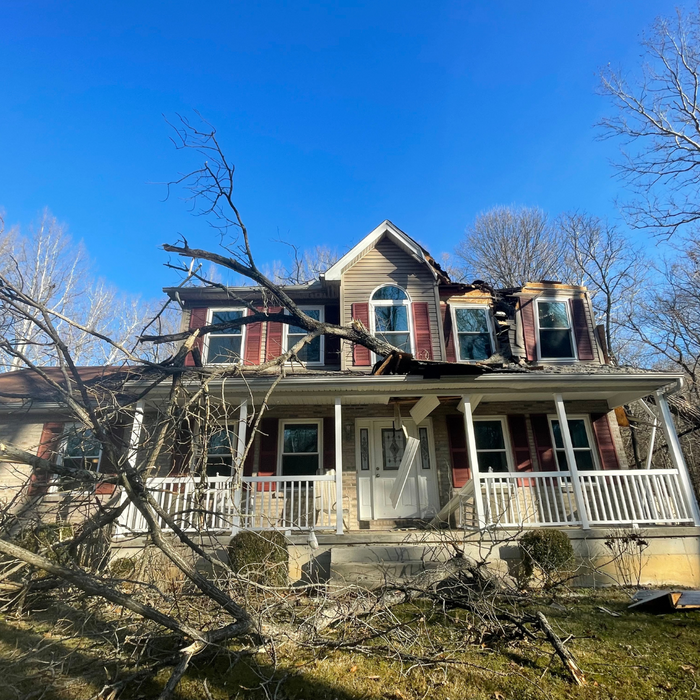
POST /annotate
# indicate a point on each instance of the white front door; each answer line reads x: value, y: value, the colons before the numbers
x: 380, y: 449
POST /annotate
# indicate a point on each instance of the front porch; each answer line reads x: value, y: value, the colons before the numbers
x: 515, y: 498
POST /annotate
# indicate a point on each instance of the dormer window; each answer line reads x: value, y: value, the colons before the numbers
x: 390, y: 317
x: 225, y: 347
x: 472, y: 326
x: 554, y: 323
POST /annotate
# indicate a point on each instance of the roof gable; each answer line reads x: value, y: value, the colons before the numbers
x: 385, y: 230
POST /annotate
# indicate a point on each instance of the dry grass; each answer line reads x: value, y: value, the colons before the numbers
x: 50, y: 655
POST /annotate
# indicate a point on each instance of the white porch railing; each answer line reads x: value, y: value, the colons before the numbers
x: 548, y: 499
x: 267, y: 503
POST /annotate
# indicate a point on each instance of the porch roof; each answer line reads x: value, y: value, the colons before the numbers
x: 615, y: 389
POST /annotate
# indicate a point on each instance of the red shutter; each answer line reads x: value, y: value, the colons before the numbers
x: 583, y: 337
x: 269, y: 430
x: 521, y: 445
x: 457, y: 439
x: 527, y: 314
x: 604, y: 438
x: 421, y: 331
x: 332, y: 343
x: 328, y: 443
x: 360, y: 354
x: 253, y: 342
x: 49, y: 445
x: 543, y: 442
x: 448, y: 335
x: 273, y: 342
x: 198, y: 318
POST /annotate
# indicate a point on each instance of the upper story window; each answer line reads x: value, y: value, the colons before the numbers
x: 556, y: 337
x: 390, y: 316
x: 312, y: 352
x: 472, y: 325
x: 225, y: 347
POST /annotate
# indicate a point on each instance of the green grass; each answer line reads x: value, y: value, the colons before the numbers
x: 632, y: 657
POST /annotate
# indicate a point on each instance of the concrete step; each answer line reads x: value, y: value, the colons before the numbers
x: 372, y: 566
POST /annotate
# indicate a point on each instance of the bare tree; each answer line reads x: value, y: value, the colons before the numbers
x: 616, y: 273
x: 49, y: 268
x: 658, y: 121
x: 509, y: 246
x: 304, y: 265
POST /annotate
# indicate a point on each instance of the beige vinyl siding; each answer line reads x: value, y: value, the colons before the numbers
x: 386, y: 263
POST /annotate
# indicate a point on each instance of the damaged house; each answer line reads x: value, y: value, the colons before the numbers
x: 499, y: 417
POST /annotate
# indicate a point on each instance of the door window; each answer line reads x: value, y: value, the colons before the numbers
x: 393, y: 446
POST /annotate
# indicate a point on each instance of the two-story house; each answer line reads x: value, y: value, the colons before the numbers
x: 505, y: 418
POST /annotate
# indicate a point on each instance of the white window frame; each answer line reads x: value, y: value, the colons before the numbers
x: 489, y: 324
x: 593, y: 445
x: 280, y: 442
x: 407, y: 302
x: 567, y: 306
x: 210, y: 316
x: 321, y: 318
x: 510, y: 460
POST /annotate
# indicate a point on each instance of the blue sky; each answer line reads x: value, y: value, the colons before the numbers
x: 337, y: 114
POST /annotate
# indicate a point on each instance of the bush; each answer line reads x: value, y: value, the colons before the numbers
x: 123, y: 567
x: 550, y: 552
x: 261, y: 557
x: 42, y: 539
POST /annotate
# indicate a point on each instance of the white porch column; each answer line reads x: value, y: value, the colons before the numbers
x: 571, y: 461
x: 676, y: 454
x: 338, y: 467
x: 237, y: 485
x: 135, y: 436
x: 466, y: 404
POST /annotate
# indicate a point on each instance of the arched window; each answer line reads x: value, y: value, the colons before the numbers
x: 390, y: 315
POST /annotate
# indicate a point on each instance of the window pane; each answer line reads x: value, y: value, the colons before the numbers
x: 492, y: 461
x: 558, y: 440
x: 474, y: 347
x: 584, y: 459
x: 223, y: 349
x: 313, y: 313
x: 556, y: 344
x: 390, y: 293
x: 225, y: 317
x: 311, y: 352
x: 553, y: 314
x: 82, y: 444
x: 393, y: 445
x: 301, y: 438
x: 424, y: 448
x: 391, y: 318
x: 577, y: 428
x: 401, y: 340
x: 221, y: 442
x: 489, y: 435
x: 471, y: 321
x: 364, y: 449
x: 299, y: 465
x: 561, y: 461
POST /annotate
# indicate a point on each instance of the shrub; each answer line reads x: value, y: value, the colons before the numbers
x: 123, y: 567
x: 42, y: 539
x: 261, y: 557
x: 549, y: 551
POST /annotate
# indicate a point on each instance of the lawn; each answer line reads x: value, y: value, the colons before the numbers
x: 49, y: 655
